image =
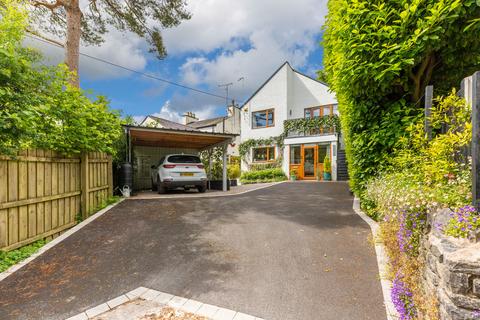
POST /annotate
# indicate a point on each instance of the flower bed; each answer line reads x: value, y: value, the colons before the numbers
x: 424, y: 176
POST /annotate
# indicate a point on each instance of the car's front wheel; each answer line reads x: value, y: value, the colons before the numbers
x: 201, y: 189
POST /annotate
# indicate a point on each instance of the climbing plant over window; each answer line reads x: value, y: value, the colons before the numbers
x: 326, y: 123
x: 245, y: 147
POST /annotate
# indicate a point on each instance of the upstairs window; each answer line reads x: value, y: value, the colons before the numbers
x: 263, y: 119
x: 315, y: 112
x: 263, y: 154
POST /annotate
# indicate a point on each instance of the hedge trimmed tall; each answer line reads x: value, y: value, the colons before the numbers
x: 380, y: 56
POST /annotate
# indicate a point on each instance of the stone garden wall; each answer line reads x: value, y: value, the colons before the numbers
x: 452, y: 271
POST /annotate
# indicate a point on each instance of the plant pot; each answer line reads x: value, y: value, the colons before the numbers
x: 293, y: 178
x: 327, y: 176
x: 218, y: 184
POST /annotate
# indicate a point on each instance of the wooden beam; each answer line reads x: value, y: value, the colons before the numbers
x: 84, y: 185
x: 428, y: 111
x: 476, y: 139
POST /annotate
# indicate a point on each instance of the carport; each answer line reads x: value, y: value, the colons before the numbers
x: 146, y: 146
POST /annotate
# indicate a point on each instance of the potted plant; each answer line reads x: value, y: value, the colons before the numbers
x: 293, y: 175
x: 327, y: 169
x: 319, y: 174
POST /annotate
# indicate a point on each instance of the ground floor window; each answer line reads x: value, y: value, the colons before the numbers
x: 323, y: 151
x: 263, y: 154
x: 295, y: 154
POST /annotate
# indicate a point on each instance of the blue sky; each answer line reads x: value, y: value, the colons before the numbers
x: 224, y: 41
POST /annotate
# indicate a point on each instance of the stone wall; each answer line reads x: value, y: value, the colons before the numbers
x: 452, y: 271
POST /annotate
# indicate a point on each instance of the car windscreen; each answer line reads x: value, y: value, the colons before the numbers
x: 184, y: 159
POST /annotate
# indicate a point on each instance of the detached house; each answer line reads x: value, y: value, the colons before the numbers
x: 281, y: 109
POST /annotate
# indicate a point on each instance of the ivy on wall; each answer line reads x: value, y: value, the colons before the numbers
x: 327, y: 123
x: 245, y: 147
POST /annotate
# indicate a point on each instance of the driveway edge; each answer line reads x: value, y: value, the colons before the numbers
x: 56, y: 241
x: 382, y: 261
x: 206, y: 195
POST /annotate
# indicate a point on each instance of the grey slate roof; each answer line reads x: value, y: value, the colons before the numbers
x: 206, y: 123
x: 167, y: 124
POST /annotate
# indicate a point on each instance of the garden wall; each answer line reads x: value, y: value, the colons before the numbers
x: 42, y: 192
x: 452, y: 271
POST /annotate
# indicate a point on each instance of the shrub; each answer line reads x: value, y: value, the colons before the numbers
x: 267, y: 175
x: 234, y: 171
x: 39, y: 108
x: 380, y: 55
x: 327, y: 166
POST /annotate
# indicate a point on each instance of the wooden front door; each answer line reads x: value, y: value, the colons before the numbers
x: 309, y: 162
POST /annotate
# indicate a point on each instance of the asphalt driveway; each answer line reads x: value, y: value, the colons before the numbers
x: 291, y: 251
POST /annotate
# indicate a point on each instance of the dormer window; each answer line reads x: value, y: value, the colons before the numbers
x: 263, y: 119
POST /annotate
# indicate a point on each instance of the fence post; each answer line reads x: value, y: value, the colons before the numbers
x: 475, y: 99
x: 84, y: 184
x: 110, y: 176
x: 428, y: 111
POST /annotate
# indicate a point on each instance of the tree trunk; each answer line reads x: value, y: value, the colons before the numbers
x: 72, y: 46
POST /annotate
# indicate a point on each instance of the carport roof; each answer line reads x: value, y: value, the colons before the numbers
x: 173, y: 138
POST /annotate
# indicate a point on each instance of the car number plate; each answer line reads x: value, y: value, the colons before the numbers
x: 186, y: 174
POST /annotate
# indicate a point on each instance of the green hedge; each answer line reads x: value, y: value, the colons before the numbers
x: 380, y: 55
x: 267, y: 175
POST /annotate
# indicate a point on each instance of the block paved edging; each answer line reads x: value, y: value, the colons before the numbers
x: 382, y: 260
x: 203, y: 195
x: 56, y: 241
x: 180, y: 303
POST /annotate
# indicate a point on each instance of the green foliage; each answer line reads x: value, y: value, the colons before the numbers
x: 422, y: 177
x: 213, y: 162
x: 267, y: 175
x: 39, y: 109
x: 247, y: 145
x: 327, y: 123
x: 427, y: 173
x: 263, y: 166
x: 8, y: 259
x: 327, y: 165
x: 380, y: 55
x: 464, y: 223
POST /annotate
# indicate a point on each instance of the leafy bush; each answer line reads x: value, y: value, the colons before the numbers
x: 267, y: 175
x: 39, y: 108
x: 233, y: 171
x: 380, y: 55
x: 327, y: 165
x: 264, y: 166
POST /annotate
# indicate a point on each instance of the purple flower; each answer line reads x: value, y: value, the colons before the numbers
x: 402, y: 298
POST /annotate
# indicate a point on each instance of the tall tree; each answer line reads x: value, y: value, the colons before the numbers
x: 88, y: 21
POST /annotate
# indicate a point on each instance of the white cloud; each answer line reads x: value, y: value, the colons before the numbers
x: 167, y: 112
x: 276, y: 31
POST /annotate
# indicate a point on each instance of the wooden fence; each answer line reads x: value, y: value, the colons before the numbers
x: 42, y: 192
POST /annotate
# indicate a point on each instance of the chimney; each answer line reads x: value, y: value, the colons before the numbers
x: 189, y: 117
x: 231, y: 109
